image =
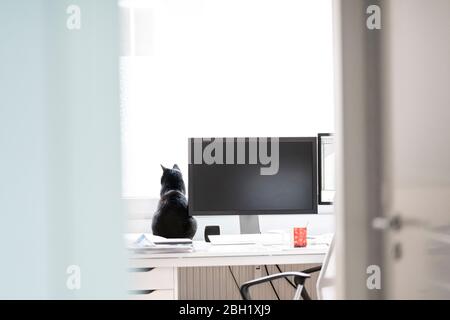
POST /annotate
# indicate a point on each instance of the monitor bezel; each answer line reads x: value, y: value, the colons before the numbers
x: 319, y: 168
x: 313, y: 210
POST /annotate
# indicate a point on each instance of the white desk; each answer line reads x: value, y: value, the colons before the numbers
x: 155, y: 276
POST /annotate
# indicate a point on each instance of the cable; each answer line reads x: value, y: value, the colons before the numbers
x: 273, y: 287
x: 234, y: 278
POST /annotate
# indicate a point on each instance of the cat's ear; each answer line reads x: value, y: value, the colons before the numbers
x: 175, y: 166
x: 164, y: 169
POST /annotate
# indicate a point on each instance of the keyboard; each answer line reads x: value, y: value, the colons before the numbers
x: 233, y: 239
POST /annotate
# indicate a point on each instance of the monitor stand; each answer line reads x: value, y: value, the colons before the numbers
x: 249, y: 224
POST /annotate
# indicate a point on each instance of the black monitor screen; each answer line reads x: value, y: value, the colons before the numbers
x: 249, y: 176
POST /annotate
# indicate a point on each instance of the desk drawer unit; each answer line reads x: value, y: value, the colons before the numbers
x: 151, y: 283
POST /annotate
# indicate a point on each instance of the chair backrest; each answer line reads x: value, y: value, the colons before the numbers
x: 325, y: 285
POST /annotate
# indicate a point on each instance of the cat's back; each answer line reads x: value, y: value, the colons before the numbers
x: 174, y: 198
x: 171, y: 219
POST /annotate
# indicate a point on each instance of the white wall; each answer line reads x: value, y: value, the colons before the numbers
x: 221, y: 68
x: 140, y: 212
x: 317, y: 224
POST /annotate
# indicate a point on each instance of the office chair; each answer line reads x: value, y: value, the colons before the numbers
x: 299, y: 279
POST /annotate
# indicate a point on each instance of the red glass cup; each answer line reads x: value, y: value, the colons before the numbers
x: 300, y: 237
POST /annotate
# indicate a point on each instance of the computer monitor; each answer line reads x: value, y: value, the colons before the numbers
x: 252, y: 176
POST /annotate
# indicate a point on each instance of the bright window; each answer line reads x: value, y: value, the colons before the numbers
x: 193, y: 68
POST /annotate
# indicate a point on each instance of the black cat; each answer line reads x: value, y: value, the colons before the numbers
x: 171, y: 219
